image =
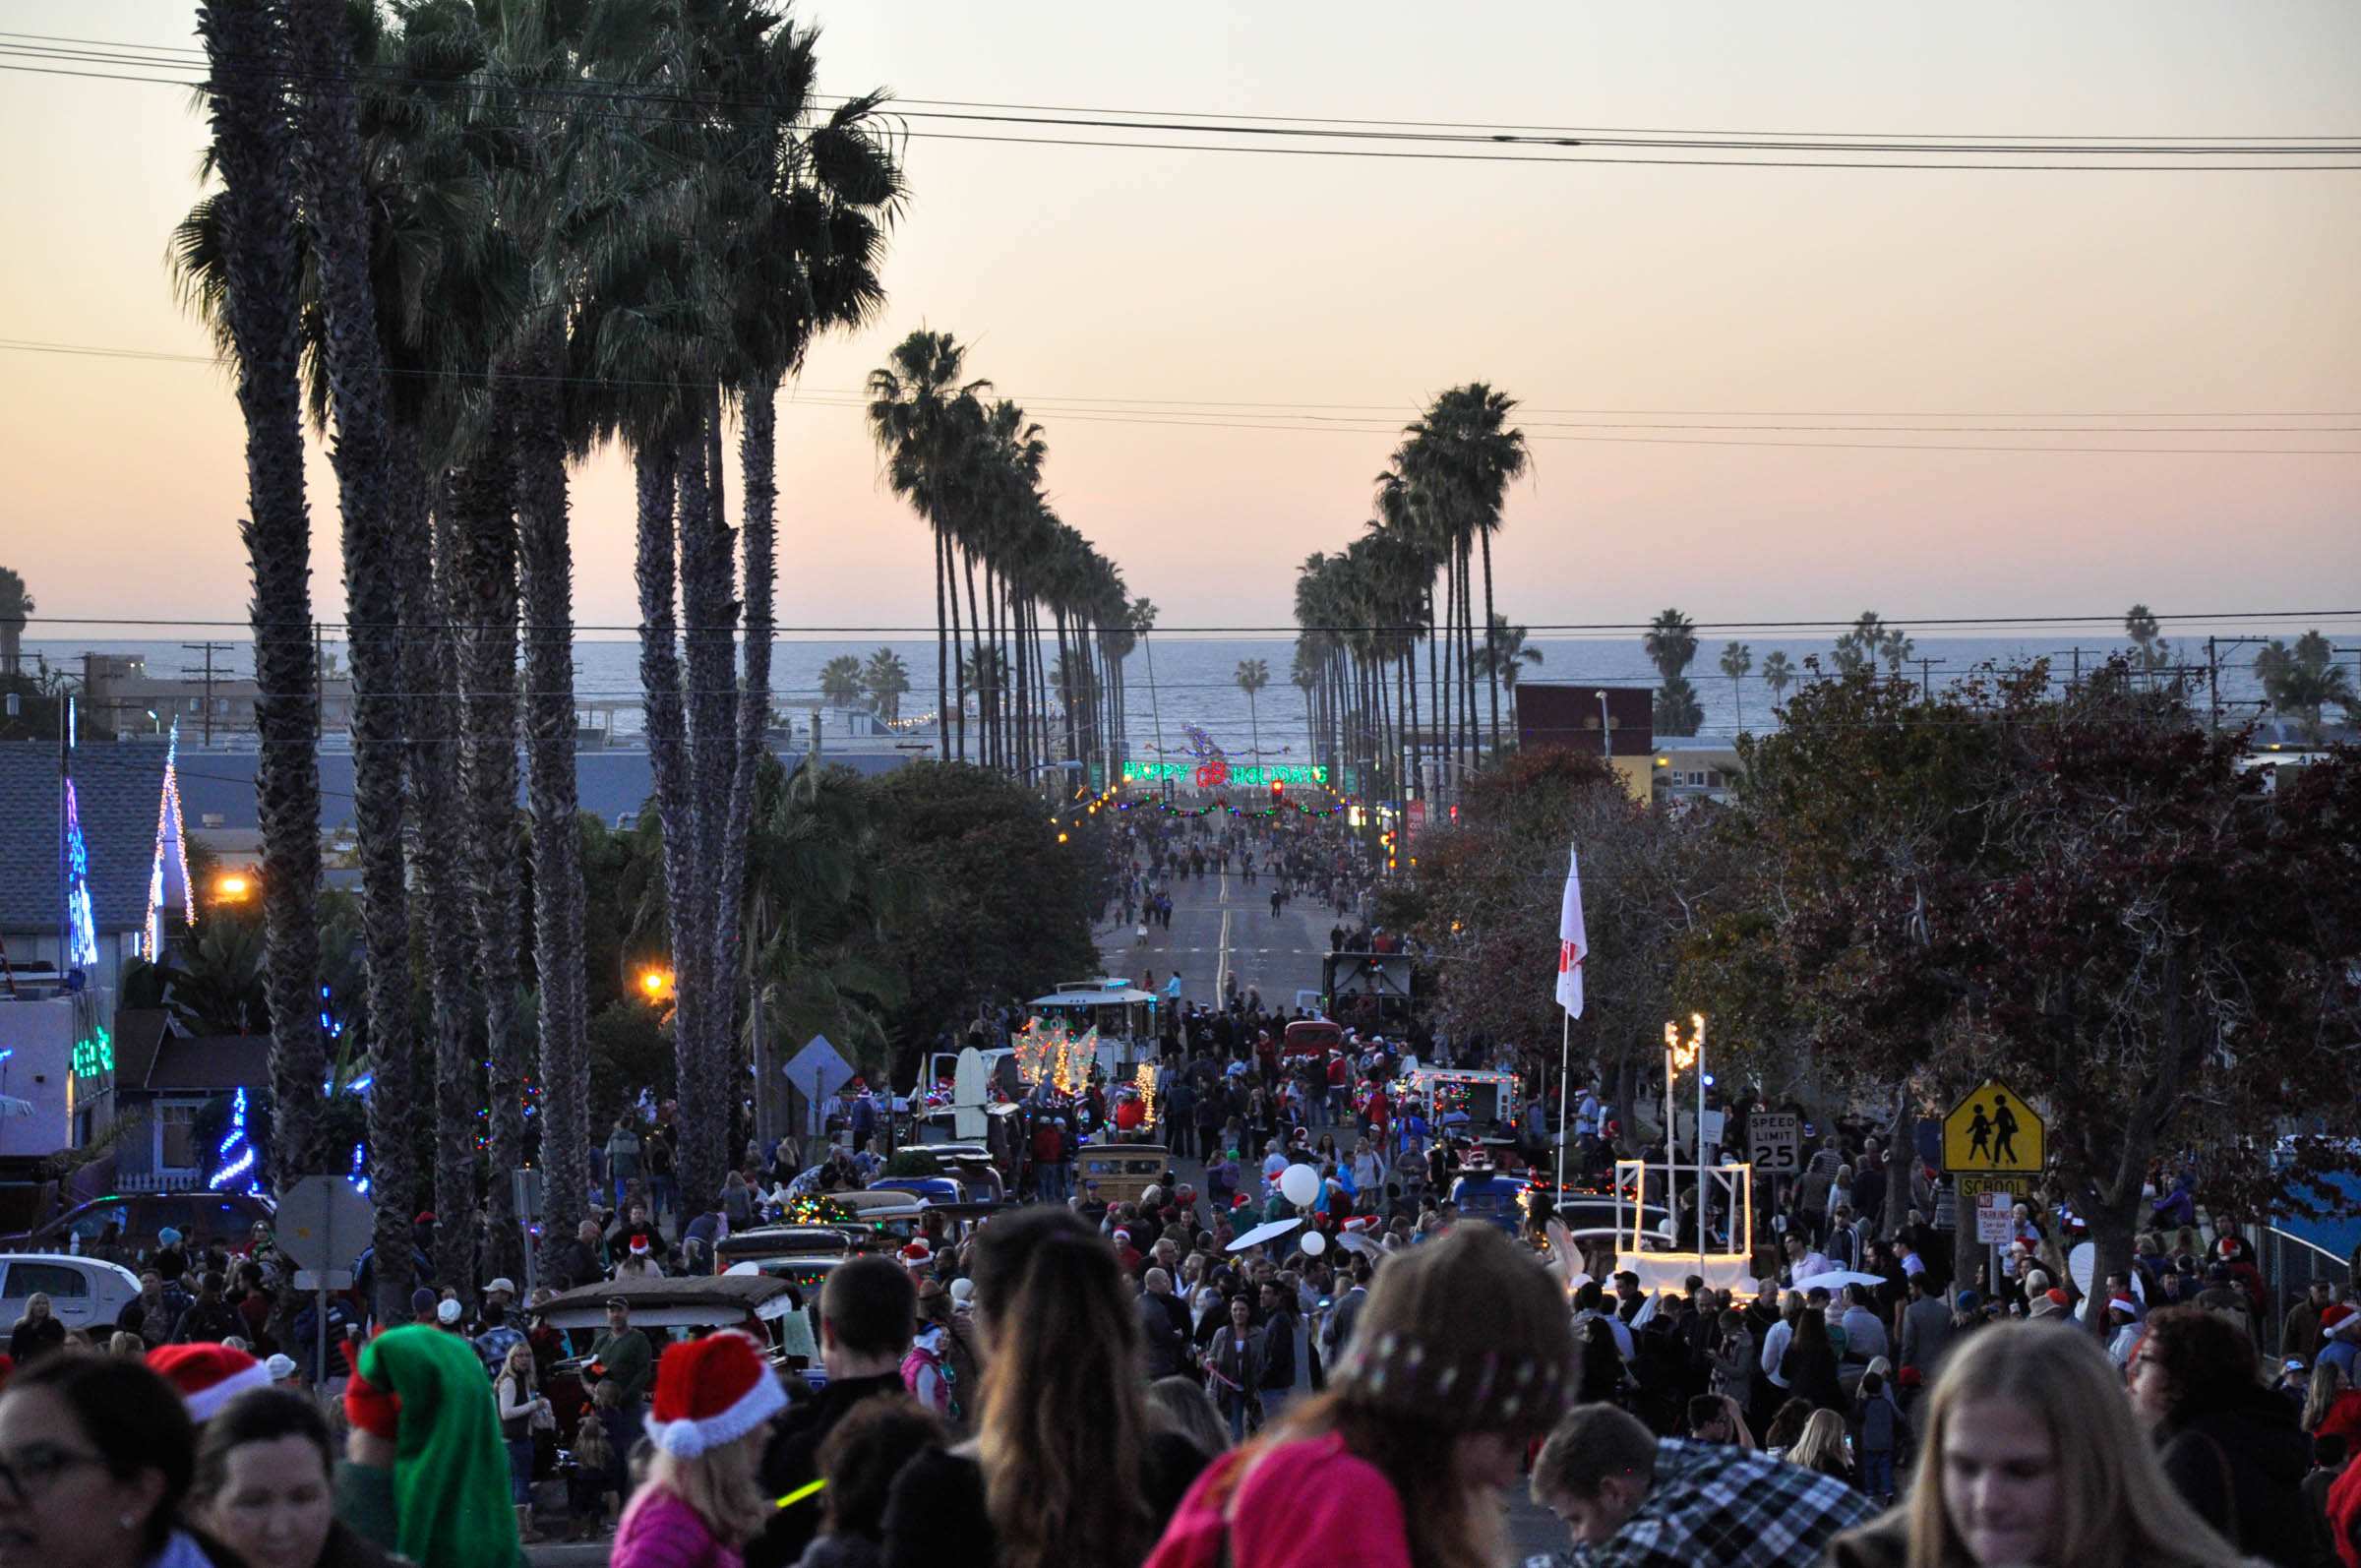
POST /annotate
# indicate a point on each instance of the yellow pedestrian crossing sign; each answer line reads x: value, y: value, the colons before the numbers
x: 1993, y: 1132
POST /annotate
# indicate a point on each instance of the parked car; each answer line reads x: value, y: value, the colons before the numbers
x: 668, y: 1311
x: 84, y: 1292
x: 122, y: 1227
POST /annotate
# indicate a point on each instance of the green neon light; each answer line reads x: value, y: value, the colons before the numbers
x: 1243, y: 775
x: 96, y: 1054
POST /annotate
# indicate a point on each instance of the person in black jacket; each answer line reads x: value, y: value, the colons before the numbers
x: 2229, y: 1446
x: 867, y: 1312
x: 1163, y: 1325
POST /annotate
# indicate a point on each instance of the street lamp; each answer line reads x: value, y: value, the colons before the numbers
x: 1679, y: 1057
x: 655, y: 984
x: 232, y: 887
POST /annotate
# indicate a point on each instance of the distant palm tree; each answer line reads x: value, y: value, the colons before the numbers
x: 2303, y: 680
x: 1252, y: 676
x: 840, y: 680
x: 1737, y: 659
x: 886, y: 677
x: 16, y: 606
x: 1671, y: 642
x: 1503, y: 652
x: 1895, y: 647
x: 2149, y: 650
x: 1778, y: 673
x: 1678, y: 710
x: 1856, y: 650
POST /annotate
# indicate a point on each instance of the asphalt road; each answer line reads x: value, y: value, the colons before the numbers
x: 1222, y: 926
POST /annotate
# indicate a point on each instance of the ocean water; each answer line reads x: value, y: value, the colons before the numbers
x: 1189, y: 680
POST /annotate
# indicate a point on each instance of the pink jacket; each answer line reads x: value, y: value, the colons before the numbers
x: 659, y: 1531
x: 1305, y: 1505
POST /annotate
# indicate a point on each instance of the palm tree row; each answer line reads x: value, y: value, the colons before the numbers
x: 970, y: 466
x: 1363, y: 613
x: 489, y: 269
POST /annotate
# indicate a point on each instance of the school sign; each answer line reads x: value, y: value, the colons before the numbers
x: 1993, y: 1132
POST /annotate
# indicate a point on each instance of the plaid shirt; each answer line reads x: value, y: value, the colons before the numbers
x: 1713, y: 1506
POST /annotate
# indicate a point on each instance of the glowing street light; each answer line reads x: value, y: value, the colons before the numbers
x: 655, y: 984
x: 232, y: 887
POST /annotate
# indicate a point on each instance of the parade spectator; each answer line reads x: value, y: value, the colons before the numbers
x: 264, y: 1485
x: 37, y: 1332
x: 2300, y: 1332
x: 1065, y: 1469
x: 867, y: 1309
x: 519, y: 1404
x: 1639, y: 1501
x: 1234, y: 1370
x: 590, y: 1496
x: 1162, y: 1325
x: 623, y: 1158
x: 97, y: 1455
x: 1181, y: 1406
x: 715, y: 1399
x: 1880, y: 1429
x: 2332, y: 1408
x: 1716, y: 1418
x: 858, y: 1461
x: 1822, y: 1446
x: 620, y: 1354
x: 2230, y: 1447
x: 2031, y: 1458
x: 1461, y: 1356
x: 425, y: 1474
x: 1926, y: 1327
x: 1810, y: 1363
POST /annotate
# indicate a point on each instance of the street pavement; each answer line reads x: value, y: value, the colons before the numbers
x: 1222, y: 926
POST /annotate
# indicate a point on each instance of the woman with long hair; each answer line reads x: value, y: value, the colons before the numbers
x: 1463, y: 1354
x: 1810, y: 1364
x: 2331, y: 1408
x: 1822, y: 1446
x: 702, y: 1499
x: 2032, y: 1459
x: 1064, y: 1471
x: 2229, y: 1446
x: 517, y: 1395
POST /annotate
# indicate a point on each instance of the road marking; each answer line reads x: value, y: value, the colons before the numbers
x: 1221, y: 969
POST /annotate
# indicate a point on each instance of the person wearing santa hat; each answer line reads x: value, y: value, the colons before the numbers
x: 426, y: 1473
x: 715, y: 1399
x: 208, y: 1376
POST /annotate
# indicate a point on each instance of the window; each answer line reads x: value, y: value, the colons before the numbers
x: 175, y: 1135
x: 57, y: 1281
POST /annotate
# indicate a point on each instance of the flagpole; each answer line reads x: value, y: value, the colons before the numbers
x: 1565, y: 1093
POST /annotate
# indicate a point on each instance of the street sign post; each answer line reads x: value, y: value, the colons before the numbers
x: 1773, y: 1140
x: 322, y: 1225
x: 1992, y: 1131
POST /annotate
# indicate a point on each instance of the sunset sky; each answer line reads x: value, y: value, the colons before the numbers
x: 1219, y: 279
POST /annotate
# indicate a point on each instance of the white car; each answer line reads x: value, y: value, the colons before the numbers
x: 86, y: 1293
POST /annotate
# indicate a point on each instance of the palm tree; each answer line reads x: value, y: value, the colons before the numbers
x: 914, y: 409
x: 1678, y: 710
x: 1857, y: 649
x: 1464, y: 454
x: 886, y: 677
x: 1737, y: 659
x: 840, y: 681
x: 246, y: 59
x: 2303, y: 680
x: 1778, y: 673
x: 2149, y: 650
x: 1252, y: 676
x: 1504, y: 652
x: 16, y: 608
x: 1142, y: 620
x: 1671, y: 642
x: 1895, y: 647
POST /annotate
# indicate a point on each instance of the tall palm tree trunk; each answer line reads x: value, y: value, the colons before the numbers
x: 1467, y: 654
x: 974, y: 637
x: 710, y: 637
x: 243, y: 53
x: 1415, y: 786
x: 942, y: 674
x: 476, y: 537
x: 546, y: 574
x: 430, y: 675
x: 958, y: 712
x: 1492, y: 650
x: 329, y: 154
x: 757, y: 456
x: 659, y: 481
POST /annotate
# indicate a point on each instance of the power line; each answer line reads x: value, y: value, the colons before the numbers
x: 197, y: 55
x: 822, y: 397
x: 1881, y: 158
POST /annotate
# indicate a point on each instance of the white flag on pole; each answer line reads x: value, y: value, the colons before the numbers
x: 1572, y: 945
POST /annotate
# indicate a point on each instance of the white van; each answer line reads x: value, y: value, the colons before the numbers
x: 86, y: 1293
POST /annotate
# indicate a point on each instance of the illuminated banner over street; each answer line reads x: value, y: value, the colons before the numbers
x: 1242, y: 775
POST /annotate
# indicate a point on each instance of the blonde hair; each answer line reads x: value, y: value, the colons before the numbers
x: 721, y: 1485
x: 1822, y: 1445
x: 2326, y: 1383
x: 2115, y: 1509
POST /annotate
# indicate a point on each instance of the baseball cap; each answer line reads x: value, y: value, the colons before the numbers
x: 501, y: 1286
x: 447, y: 1312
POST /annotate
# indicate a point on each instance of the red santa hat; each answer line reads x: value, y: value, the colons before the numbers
x: 711, y: 1392
x: 638, y: 1247
x: 917, y: 1252
x: 208, y: 1376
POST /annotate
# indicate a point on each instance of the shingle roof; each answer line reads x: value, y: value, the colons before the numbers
x: 140, y: 1032
x: 211, y: 1062
x: 118, y: 791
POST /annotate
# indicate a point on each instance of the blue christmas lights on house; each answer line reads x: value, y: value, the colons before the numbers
x: 235, y: 1150
x: 82, y: 929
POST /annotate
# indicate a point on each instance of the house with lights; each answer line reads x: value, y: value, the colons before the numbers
x: 93, y: 873
x: 163, y: 1079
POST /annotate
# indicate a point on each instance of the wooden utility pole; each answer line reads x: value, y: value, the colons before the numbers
x: 209, y: 650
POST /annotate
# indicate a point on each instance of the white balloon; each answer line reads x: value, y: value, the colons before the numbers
x: 1315, y: 1243
x: 1299, y: 1184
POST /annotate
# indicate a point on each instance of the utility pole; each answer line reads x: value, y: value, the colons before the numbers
x: 2076, y: 654
x: 2212, y: 687
x: 209, y: 650
x: 319, y: 685
x: 1927, y: 684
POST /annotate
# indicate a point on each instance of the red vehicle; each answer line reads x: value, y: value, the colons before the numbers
x: 1312, y: 1037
